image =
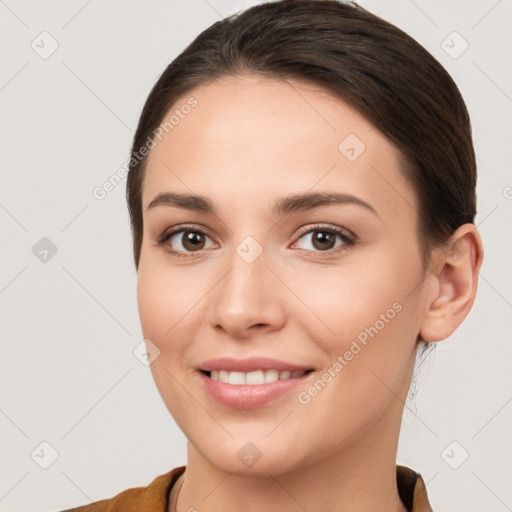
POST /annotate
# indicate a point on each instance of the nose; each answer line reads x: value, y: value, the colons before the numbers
x: 249, y: 298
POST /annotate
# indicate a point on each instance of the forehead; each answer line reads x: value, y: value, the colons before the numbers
x: 251, y: 137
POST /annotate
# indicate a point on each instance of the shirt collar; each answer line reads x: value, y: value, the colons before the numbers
x: 412, y: 490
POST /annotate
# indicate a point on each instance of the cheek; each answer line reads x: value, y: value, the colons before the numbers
x: 368, y: 354
x: 152, y: 303
x: 163, y: 315
x: 357, y: 301
x: 160, y: 302
x: 158, y: 294
x: 369, y: 318
x: 169, y: 304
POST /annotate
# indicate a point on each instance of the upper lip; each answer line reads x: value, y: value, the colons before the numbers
x: 249, y: 364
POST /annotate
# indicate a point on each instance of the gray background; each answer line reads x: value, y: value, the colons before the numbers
x: 70, y: 324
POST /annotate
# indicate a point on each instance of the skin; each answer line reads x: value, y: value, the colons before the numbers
x: 249, y: 141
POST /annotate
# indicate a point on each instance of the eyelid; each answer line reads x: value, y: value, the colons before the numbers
x: 347, y: 236
x: 183, y: 227
x: 168, y: 233
x: 328, y: 227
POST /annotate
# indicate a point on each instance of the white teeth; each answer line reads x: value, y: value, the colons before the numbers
x: 253, y: 378
x: 236, y: 378
x: 271, y: 375
x: 256, y: 377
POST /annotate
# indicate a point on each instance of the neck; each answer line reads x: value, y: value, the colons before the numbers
x: 359, y: 478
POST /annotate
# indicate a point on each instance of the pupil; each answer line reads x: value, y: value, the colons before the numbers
x: 323, y: 238
x: 193, y: 239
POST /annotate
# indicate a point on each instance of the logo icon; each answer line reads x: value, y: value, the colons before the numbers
x: 454, y: 455
x: 146, y: 352
x: 454, y: 45
x: 44, y: 455
x: 249, y: 455
x: 249, y: 249
x: 44, y: 250
x: 44, y: 45
x: 351, y: 147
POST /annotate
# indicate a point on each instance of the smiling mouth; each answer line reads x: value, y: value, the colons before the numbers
x: 254, y: 378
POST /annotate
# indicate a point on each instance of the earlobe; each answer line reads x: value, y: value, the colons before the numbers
x: 456, y: 279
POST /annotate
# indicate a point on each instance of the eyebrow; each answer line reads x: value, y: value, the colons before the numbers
x: 283, y: 206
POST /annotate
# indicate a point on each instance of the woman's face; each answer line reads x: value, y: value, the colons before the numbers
x: 269, y: 282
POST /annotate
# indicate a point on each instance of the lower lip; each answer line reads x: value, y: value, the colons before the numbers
x: 247, y: 396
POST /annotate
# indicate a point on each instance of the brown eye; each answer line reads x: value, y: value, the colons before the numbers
x: 192, y: 240
x: 183, y: 242
x: 325, y: 240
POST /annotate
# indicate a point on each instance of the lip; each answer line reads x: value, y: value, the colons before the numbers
x: 247, y: 396
x: 250, y: 364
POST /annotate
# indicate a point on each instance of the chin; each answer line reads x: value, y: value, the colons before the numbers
x: 259, y: 457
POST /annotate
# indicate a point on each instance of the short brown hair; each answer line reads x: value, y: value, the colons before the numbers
x: 375, y: 67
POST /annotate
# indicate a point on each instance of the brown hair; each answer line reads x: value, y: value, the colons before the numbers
x: 367, y: 62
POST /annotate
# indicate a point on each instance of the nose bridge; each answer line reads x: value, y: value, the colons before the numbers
x: 246, y: 295
x: 248, y: 273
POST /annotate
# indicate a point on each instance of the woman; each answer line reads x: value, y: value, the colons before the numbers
x: 301, y: 227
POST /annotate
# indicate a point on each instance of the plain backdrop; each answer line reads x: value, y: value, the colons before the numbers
x: 74, y: 77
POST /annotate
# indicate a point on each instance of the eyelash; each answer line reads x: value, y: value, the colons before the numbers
x: 348, y: 240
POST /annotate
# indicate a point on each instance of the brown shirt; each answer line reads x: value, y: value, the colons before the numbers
x: 155, y: 497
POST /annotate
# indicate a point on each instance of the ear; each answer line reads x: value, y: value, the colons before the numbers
x: 455, y: 279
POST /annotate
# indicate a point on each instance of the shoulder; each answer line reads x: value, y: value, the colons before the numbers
x: 154, y: 497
